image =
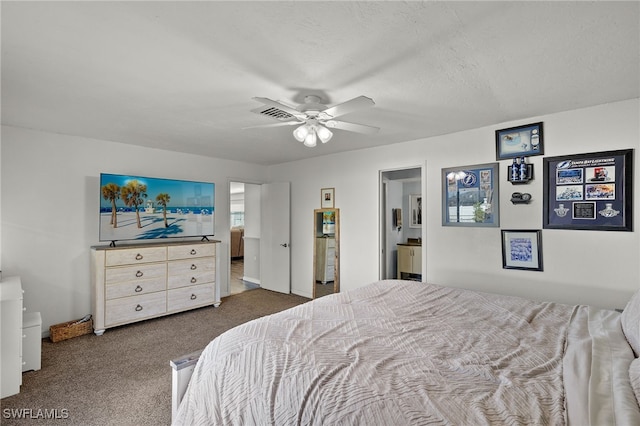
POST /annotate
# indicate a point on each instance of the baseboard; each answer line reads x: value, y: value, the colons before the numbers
x: 251, y: 280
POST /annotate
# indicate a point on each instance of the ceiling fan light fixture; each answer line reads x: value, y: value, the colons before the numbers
x: 324, y: 134
x: 300, y: 133
x: 310, y: 140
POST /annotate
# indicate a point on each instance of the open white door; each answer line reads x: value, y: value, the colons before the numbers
x: 275, y: 270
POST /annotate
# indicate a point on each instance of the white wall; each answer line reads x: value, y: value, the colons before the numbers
x: 594, y: 267
x: 50, y: 198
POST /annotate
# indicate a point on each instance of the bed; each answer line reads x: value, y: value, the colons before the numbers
x: 401, y: 352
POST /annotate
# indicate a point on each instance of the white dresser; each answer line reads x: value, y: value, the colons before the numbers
x: 11, y: 335
x: 137, y: 282
x: 325, y: 259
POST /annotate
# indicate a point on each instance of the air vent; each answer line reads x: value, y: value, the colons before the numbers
x: 273, y: 112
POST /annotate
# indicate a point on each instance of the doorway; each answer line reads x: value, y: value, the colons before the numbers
x: 242, y: 210
x: 401, y: 218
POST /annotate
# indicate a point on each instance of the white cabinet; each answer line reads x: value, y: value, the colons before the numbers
x: 409, y: 262
x: 31, y: 341
x: 11, y: 336
x: 325, y: 259
x: 134, y: 283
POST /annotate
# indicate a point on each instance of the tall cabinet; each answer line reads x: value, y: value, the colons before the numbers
x: 138, y: 282
x: 11, y: 308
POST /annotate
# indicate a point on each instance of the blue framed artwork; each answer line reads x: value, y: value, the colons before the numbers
x: 522, y: 249
x: 521, y: 141
x: 470, y: 196
x: 589, y: 191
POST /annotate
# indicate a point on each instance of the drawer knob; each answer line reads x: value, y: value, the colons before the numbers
x: 193, y: 252
x: 138, y: 289
x: 193, y: 267
x: 193, y: 279
x: 138, y: 308
x: 194, y: 297
x: 139, y: 274
x: 139, y: 256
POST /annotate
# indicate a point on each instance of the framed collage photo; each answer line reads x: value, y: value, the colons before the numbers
x: 589, y: 191
x: 521, y: 141
x: 522, y: 249
x: 471, y: 196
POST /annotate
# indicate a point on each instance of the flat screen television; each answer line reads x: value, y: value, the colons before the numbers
x: 143, y: 208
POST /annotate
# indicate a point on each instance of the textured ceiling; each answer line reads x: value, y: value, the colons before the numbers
x: 180, y: 75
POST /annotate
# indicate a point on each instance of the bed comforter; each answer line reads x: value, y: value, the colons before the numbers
x: 399, y: 353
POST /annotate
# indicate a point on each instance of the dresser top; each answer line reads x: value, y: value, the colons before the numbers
x: 155, y: 243
x: 11, y: 288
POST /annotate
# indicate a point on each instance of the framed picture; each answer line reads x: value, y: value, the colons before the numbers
x: 521, y: 141
x: 589, y: 191
x: 327, y: 198
x: 522, y: 249
x: 415, y: 210
x: 470, y: 196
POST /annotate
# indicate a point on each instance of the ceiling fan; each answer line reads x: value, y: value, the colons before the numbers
x: 313, y: 118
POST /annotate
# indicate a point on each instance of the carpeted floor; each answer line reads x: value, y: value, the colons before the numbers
x: 123, y: 377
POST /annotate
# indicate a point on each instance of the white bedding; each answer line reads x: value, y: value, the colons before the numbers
x: 400, y: 352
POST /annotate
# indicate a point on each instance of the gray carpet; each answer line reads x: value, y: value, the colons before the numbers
x: 124, y: 377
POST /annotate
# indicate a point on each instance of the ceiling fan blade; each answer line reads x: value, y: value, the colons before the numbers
x: 349, y: 106
x: 351, y: 127
x: 281, y: 106
x: 283, y: 123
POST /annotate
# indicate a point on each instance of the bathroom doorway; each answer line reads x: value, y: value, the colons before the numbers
x: 401, y: 218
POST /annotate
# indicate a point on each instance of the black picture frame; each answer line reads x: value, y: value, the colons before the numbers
x: 522, y: 249
x: 520, y: 141
x: 591, y: 191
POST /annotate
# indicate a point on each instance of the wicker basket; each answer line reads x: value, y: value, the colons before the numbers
x: 69, y: 329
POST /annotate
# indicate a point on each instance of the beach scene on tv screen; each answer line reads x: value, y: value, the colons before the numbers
x: 140, y: 208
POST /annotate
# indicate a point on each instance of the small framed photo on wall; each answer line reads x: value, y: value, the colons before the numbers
x: 522, y: 249
x: 521, y: 141
x: 327, y: 198
x: 415, y: 210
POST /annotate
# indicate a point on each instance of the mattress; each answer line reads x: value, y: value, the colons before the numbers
x: 401, y: 352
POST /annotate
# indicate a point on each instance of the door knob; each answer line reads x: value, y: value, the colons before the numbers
x: 284, y: 245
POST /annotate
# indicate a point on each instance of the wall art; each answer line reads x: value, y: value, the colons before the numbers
x: 470, y: 196
x: 522, y: 249
x: 521, y: 141
x: 589, y: 191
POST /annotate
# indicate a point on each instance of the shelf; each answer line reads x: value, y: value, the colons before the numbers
x: 520, y: 182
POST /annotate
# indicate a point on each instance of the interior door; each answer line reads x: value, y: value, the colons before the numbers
x: 275, y: 260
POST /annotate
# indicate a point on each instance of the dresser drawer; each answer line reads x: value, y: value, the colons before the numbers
x: 188, y: 251
x: 134, y: 308
x: 176, y: 281
x: 135, y: 272
x: 191, y: 266
x: 135, y: 255
x: 134, y: 288
x: 190, y: 297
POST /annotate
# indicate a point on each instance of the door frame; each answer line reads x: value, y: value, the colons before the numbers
x: 382, y: 215
x: 228, y: 251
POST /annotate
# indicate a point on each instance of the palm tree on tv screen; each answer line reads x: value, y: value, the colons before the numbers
x: 133, y: 194
x: 111, y: 192
x: 163, y: 199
